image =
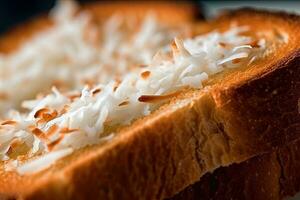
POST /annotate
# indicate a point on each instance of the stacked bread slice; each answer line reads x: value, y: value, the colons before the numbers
x: 223, y: 96
x: 272, y: 175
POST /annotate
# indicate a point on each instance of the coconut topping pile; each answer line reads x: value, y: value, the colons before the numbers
x: 61, y: 122
x: 75, y: 52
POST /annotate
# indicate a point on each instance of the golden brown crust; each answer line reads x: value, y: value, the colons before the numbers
x: 163, y: 153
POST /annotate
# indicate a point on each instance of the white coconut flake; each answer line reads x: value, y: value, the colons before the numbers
x: 234, y: 57
x: 57, y: 123
x: 242, y: 46
x: 43, y: 162
x: 64, y: 10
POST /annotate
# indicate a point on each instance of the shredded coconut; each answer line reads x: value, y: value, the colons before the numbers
x: 62, y: 121
x: 75, y: 52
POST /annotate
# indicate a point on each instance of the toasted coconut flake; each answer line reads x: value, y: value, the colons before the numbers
x: 15, y: 142
x: 49, y: 116
x: 174, y: 48
x: 178, y: 48
x: 51, y: 145
x: 66, y: 130
x: 52, y: 130
x: 237, y: 60
x: 116, y: 86
x: 72, y: 97
x: 124, y: 103
x: 40, y: 121
x: 255, y: 44
x: 9, y: 122
x: 157, y: 98
x: 145, y: 74
x: 40, y: 112
x: 95, y: 91
x: 39, y: 133
x: 223, y: 44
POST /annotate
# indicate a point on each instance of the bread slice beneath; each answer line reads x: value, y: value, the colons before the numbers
x: 244, y: 112
x: 271, y: 176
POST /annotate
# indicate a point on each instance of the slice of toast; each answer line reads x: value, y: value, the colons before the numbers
x: 273, y: 176
x: 238, y: 116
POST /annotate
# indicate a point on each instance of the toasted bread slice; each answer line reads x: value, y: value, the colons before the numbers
x: 238, y: 116
x: 273, y: 176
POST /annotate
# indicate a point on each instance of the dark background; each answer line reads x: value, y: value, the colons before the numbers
x: 16, y: 11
